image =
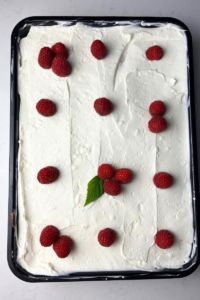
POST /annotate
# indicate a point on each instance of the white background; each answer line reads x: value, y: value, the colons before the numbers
x: 11, y: 11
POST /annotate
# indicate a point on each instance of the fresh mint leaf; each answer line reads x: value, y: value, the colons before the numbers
x: 94, y: 190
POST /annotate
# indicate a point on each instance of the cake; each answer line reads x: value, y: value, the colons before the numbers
x: 104, y: 160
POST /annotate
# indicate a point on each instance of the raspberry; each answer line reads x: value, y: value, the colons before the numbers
x: 98, y: 49
x: 106, y: 237
x: 48, y: 175
x: 63, y: 246
x: 157, y: 124
x: 106, y: 171
x: 124, y: 175
x: 103, y: 106
x: 163, y: 180
x: 112, y: 187
x: 154, y: 53
x: 157, y: 108
x: 49, y: 235
x: 45, y: 57
x: 60, y: 49
x: 164, y: 239
x: 46, y: 107
x: 60, y: 66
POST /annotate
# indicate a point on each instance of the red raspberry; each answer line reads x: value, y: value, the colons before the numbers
x: 63, y: 246
x: 112, y: 187
x: 46, y: 107
x: 157, y: 124
x: 49, y: 235
x: 106, y: 171
x: 163, y: 180
x: 48, y: 175
x: 98, y: 49
x: 103, y: 106
x: 106, y: 237
x: 60, y: 66
x: 164, y: 239
x: 60, y: 49
x: 45, y: 57
x: 157, y: 108
x: 124, y: 175
x: 154, y: 53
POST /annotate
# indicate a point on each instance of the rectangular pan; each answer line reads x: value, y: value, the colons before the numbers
x: 20, y: 31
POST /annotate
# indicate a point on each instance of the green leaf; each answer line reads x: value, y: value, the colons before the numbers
x: 94, y: 190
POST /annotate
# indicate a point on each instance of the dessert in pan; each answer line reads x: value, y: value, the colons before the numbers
x: 104, y: 153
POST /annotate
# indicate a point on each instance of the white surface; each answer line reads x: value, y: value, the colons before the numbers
x: 10, y: 13
x: 126, y: 77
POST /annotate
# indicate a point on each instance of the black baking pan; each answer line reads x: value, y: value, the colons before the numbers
x: 20, y: 31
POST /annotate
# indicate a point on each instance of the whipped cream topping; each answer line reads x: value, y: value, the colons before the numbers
x: 76, y: 140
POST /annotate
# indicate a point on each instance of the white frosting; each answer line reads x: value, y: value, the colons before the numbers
x: 77, y: 140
